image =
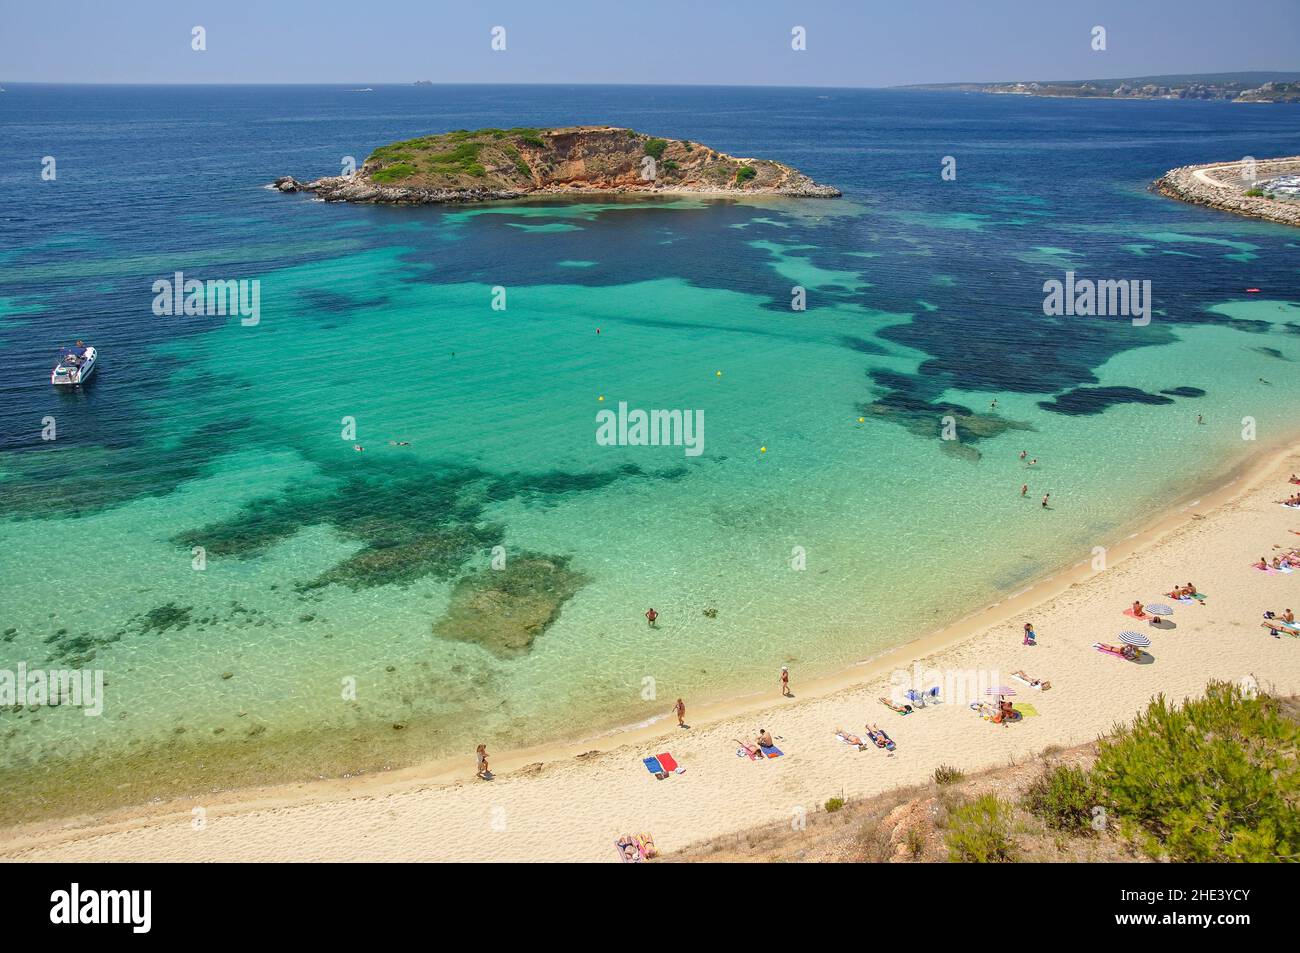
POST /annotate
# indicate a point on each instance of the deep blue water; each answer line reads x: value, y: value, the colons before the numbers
x: 166, y: 171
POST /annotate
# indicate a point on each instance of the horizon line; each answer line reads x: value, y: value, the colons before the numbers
x: 412, y: 83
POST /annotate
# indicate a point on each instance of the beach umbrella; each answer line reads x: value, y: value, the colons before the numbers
x: 1135, y: 639
x: 999, y: 690
x: 1159, y: 608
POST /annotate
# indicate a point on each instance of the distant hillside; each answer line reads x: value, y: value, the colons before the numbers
x: 1256, y: 87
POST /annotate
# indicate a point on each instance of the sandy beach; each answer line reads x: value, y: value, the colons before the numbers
x: 571, y: 801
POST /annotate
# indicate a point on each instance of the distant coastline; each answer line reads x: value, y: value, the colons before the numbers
x: 1254, y: 87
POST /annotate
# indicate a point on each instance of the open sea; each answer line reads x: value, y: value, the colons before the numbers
x: 268, y: 603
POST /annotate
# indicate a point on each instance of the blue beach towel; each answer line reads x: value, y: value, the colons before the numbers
x: 653, y: 766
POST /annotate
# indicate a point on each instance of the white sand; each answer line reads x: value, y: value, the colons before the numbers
x: 557, y: 805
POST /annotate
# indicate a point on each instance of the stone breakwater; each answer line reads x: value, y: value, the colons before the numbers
x: 1223, y: 185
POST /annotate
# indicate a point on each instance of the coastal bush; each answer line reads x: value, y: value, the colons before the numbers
x: 834, y: 804
x: 1217, y: 779
x: 655, y: 148
x: 394, y: 173
x: 522, y: 168
x: 1254, y: 193
x: 980, y: 832
x: 915, y: 842
x: 669, y: 165
x: 533, y: 140
x: 1063, y: 796
x: 947, y: 774
x: 744, y: 174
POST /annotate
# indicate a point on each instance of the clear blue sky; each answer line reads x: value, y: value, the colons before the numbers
x: 850, y: 42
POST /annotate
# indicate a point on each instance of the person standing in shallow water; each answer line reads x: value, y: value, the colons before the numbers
x: 785, y: 682
x: 481, y: 756
x: 1024, y: 488
x: 1046, y: 496
x: 650, y: 616
x: 680, y: 711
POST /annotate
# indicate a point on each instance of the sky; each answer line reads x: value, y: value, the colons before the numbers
x: 740, y: 42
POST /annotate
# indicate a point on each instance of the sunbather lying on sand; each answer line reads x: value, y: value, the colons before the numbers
x: 1032, y: 682
x: 1123, y: 651
x: 1278, y: 626
x: 627, y: 846
x: 901, y: 709
x: 877, y: 735
x: 851, y: 738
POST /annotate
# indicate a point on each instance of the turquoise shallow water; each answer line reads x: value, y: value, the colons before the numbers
x: 328, y: 567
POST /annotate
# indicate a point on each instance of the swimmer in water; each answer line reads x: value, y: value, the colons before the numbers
x: 358, y: 448
x: 1024, y: 489
x: 1023, y: 454
x: 1046, y: 496
x: 651, y: 616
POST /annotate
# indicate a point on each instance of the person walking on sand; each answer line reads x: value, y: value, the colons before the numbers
x: 680, y: 711
x: 651, y: 615
x: 482, y: 757
x: 1030, y: 637
x: 785, y: 682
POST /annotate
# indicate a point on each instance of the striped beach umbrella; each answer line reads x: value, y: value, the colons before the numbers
x: 1135, y: 639
x: 1159, y: 608
x: 999, y: 690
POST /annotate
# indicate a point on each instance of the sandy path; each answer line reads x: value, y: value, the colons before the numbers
x: 572, y: 808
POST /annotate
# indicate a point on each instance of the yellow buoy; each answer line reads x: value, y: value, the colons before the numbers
x: 762, y: 449
x: 860, y: 419
x: 719, y: 373
x: 601, y: 397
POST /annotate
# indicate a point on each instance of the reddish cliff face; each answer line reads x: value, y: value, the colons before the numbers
x: 509, y: 163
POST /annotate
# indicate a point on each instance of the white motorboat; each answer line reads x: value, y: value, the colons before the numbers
x: 75, y: 366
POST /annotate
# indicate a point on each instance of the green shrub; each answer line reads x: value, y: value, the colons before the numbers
x: 947, y: 774
x: 745, y: 173
x: 522, y: 168
x: 1063, y: 797
x: 915, y: 842
x: 656, y: 147
x: 1215, y: 780
x: 980, y: 832
x: 533, y: 140
x: 834, y: 804
x: 394, y: 173
x: 1255, y: 193
x: 670, y: 165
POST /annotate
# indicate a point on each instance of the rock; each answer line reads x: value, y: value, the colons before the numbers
x: 492, y: 165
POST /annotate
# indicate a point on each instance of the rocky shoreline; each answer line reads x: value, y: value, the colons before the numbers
x: 1223, y: 186
x: 339, y: 188
x: 494, y: 165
